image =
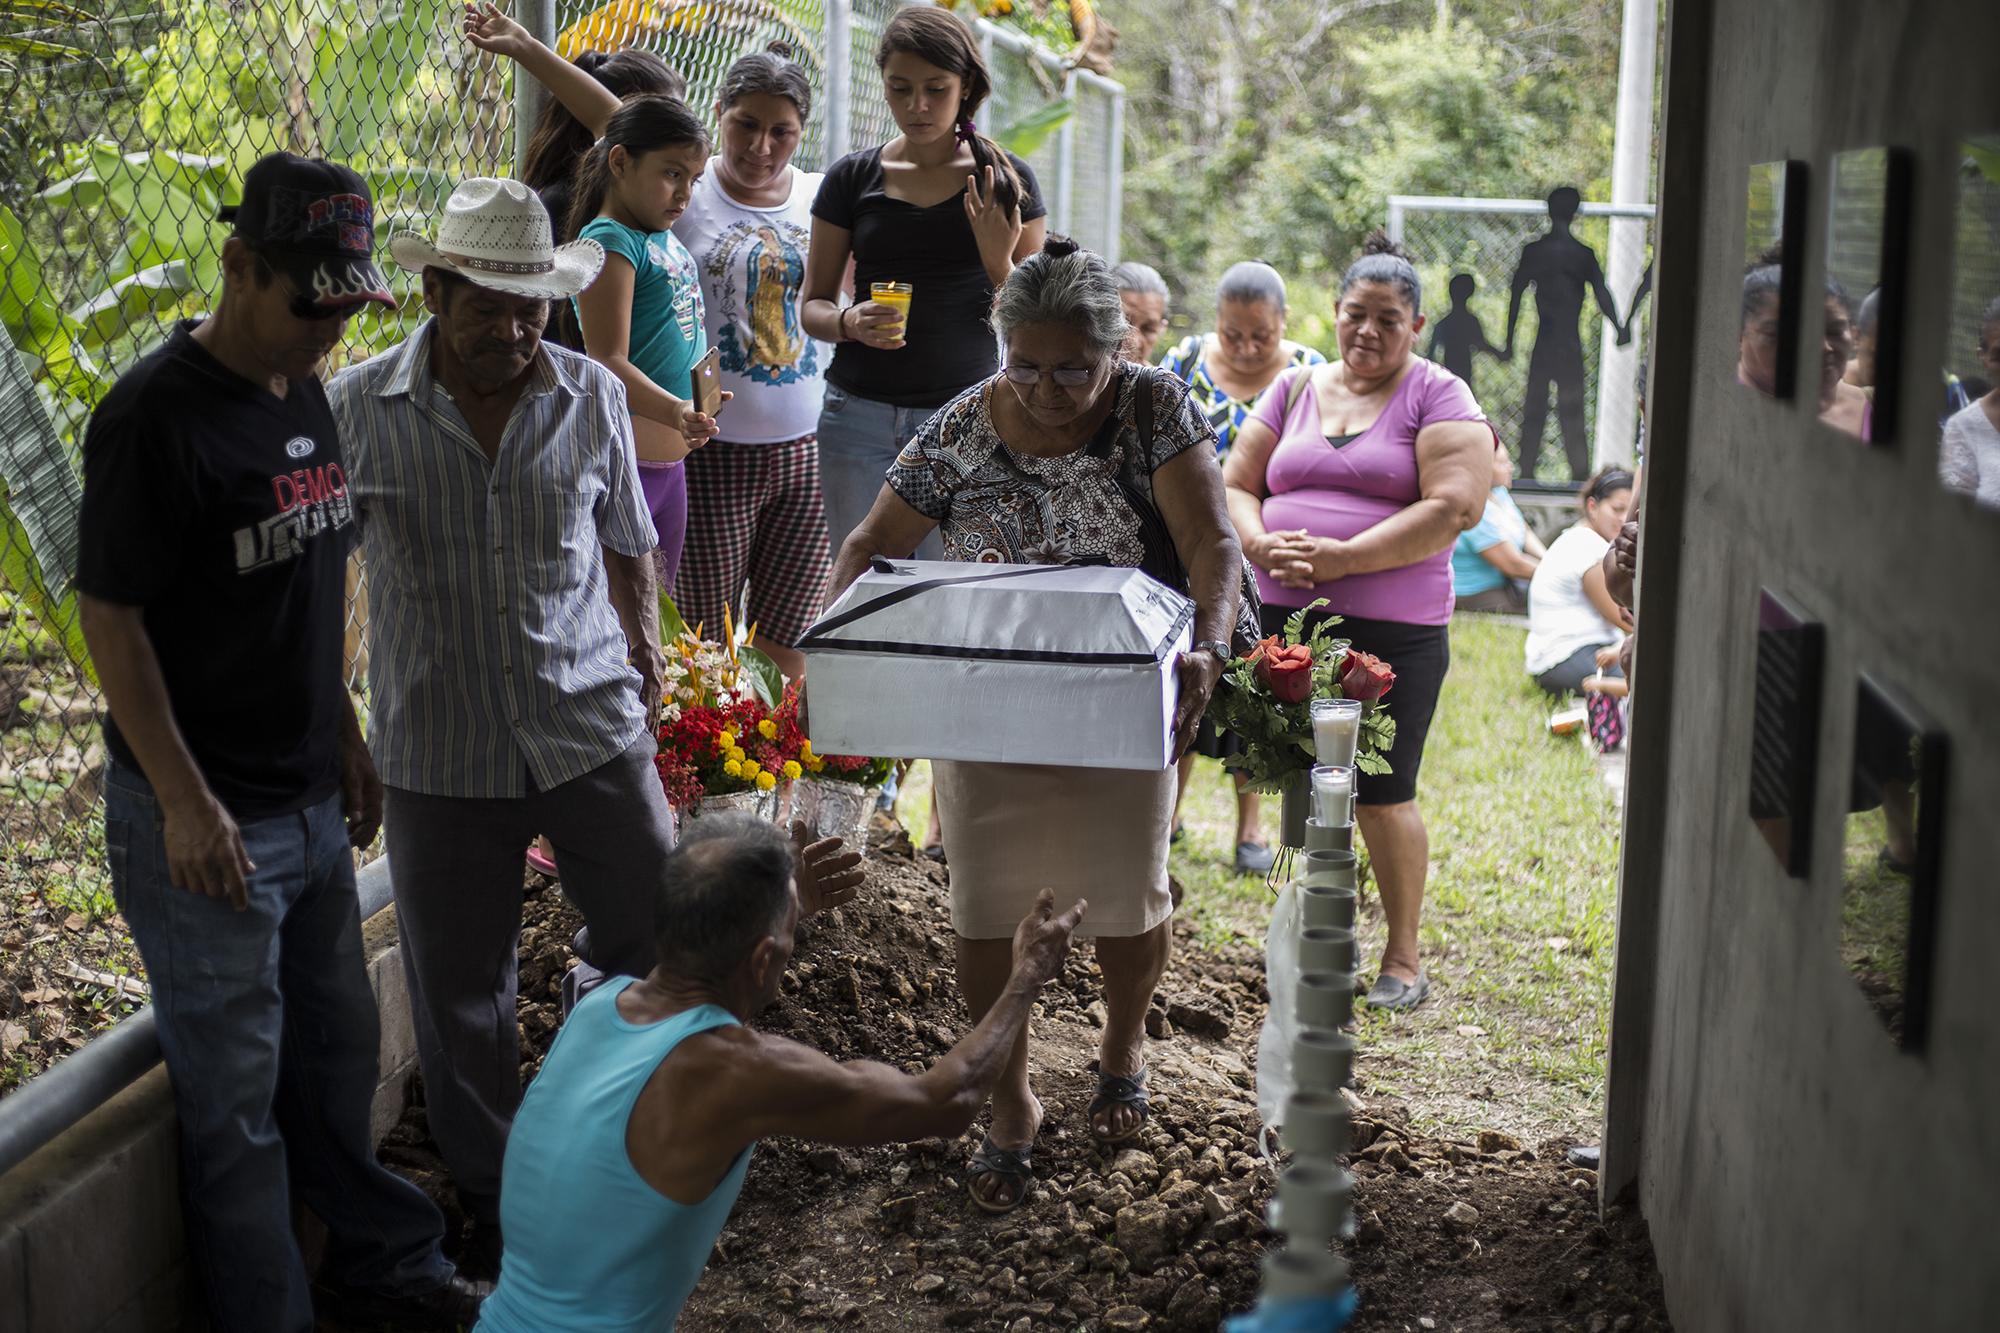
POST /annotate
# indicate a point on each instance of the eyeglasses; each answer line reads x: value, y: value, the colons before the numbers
x: 1069, y: 377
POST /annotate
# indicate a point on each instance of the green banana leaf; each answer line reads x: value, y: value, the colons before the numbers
x: 133, y: 301
x: 672, y: 628
x: 1025, y: 137
x: 58, y: 616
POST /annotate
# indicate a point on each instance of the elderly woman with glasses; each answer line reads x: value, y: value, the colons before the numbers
x: 1070, y: 453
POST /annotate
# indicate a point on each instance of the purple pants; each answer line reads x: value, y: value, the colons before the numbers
x: 666, y: 488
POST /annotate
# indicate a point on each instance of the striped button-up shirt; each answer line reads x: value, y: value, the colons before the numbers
x: 496, y: 656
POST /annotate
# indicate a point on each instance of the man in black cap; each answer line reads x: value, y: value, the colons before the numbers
x: 215, y: 531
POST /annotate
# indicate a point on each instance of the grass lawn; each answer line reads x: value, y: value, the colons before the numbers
x: 1518, y: 925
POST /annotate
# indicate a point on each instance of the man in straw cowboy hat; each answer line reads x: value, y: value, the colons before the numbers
x: 216, y: 525
x: 516, y: 660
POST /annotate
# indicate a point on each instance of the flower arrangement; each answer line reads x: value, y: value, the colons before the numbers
x: 728, y: 722
x: 1264, y: 698
x: 854, y: 768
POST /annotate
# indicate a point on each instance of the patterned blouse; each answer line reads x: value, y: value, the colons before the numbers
x: 1225, y: 414
x: 998, y: 506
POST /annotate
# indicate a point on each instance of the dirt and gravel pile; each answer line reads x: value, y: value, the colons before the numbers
x: 1164, y: 1233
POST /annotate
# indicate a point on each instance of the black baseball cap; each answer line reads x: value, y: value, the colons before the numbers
x: 315, y: 222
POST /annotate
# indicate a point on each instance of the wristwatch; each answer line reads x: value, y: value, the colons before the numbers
x: 1216, y: 647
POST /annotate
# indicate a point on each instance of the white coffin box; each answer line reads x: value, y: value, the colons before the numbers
x: 1011, y: 664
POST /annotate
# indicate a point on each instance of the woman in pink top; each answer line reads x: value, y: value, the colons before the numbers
x: 1350, y: 482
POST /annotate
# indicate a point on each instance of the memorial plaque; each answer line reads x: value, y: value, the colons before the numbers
x: 1784, y: 731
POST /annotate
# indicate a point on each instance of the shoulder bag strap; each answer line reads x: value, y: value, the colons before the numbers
x: 1293, y: 390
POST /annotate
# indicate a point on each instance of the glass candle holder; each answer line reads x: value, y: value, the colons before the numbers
x: 1336, y: 730
x: 1333, y: 794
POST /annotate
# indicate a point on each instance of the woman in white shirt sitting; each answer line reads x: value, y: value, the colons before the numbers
x: 1570, y: 611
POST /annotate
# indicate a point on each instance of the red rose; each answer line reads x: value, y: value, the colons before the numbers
x: 1365, y: 676
x: 1285, y: 671
x: 1264, y: 646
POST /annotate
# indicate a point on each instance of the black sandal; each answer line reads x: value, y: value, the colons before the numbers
x: 1011, y: 1163
x: 1118, y: 1090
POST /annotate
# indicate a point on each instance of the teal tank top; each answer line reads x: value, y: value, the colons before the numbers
x: 590, y: 1246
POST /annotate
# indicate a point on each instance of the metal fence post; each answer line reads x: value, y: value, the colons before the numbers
x: 539, y: 18
x: 839, y: 78
x: 1618, y: 367
x: 1066, y: 161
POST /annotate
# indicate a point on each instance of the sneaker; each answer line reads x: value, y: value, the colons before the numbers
x: 1254, y: 858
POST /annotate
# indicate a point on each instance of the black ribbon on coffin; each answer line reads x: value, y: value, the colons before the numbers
x: 818, y: 635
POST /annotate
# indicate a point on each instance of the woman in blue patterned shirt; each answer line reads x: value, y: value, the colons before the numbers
x: 1225, y: 372
x: 1229, y: 368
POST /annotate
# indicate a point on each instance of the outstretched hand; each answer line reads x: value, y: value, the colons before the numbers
x: 1041, y: 941
x: 827, y: 875
x: 490, y: 30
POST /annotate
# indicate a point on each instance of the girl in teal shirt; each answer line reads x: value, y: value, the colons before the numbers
x: 642, y: 318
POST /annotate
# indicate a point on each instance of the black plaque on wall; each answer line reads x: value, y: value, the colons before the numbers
x: 1784, y: 729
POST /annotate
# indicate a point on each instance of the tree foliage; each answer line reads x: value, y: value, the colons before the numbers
x: 1277, y: 129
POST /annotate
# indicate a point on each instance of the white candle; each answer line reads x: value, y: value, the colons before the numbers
x: 1336, y: 730
x: 1333, y: 795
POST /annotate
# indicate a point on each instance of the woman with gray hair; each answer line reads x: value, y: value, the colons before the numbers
x: 1226, y: 371
x: 1143, y: 293
x: 1070, y: 452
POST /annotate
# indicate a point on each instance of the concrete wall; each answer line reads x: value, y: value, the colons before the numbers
x: 90, y: 1226
x: 1797, y: 1169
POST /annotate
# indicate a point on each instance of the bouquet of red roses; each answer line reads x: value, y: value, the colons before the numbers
x: 1265, y: 694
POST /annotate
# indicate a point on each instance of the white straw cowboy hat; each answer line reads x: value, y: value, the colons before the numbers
x: 496, y: 233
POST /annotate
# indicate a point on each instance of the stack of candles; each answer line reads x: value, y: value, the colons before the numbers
x: 1315, y: 1192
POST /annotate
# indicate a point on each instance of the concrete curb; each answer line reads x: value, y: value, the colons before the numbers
x: 90, y: 1225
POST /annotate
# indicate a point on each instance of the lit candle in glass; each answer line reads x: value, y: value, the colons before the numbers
x: 1336, y: 730
x: 1333, y: 795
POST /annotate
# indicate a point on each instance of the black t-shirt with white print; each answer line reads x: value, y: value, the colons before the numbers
x: 224, y: 514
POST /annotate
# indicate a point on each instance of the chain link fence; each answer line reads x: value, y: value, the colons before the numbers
x: 1485, y: 242
x: 129, y: 123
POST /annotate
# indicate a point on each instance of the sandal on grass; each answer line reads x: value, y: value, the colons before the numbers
x: 1119, y: 1090
x: 1012, y: 1165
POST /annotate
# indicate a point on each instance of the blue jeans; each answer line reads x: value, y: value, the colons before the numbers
x: 858, y: 439
x: 272, y: 1041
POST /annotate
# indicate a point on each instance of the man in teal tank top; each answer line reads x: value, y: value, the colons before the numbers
x: 630, y: 1147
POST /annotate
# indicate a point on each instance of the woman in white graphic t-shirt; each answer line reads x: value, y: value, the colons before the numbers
x: 756, y: 523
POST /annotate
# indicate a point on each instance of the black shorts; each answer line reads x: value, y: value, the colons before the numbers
x: 1419, y: 655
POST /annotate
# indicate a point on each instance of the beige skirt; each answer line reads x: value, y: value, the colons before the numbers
x: 1011, y: 830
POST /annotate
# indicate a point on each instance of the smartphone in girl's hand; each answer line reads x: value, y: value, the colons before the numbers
x: 708, y: 383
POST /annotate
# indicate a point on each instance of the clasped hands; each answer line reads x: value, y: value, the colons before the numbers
x: 1294, y: 558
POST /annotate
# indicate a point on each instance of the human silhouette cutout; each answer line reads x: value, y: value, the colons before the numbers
x: 1559, y: 267
x: 1456, y: 336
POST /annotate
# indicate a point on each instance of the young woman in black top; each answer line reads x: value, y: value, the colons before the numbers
x: 940, y: 207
